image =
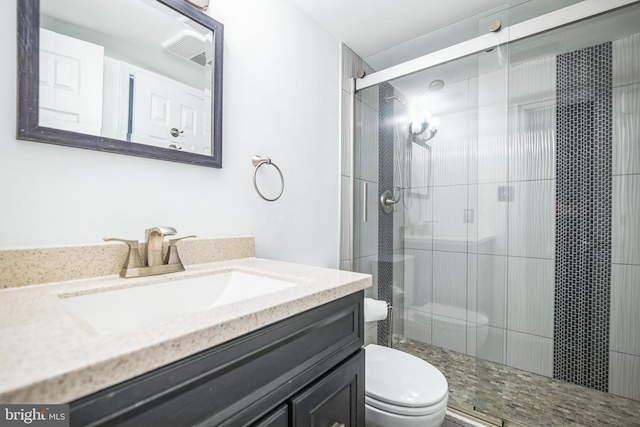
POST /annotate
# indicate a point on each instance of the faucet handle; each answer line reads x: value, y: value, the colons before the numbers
x: 163, y: 231
x: 133, y: 258
x: 172, y: 256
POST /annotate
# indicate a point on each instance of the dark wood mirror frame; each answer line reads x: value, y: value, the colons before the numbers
x: 28, y: 94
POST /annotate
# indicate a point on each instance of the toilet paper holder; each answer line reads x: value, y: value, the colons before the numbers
x: 375, y: 315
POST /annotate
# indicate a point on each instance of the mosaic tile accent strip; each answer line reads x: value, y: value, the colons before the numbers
x: 583, y: 217
x: 385, y: 221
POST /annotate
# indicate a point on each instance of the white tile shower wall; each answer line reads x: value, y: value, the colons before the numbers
x: 418, y: 215
x: 532, y: 219
x: 371, y: 333
x: 449, y: 333
x: 625, y: 316
x: 404, y: 267
x: 400, y: 178
x: 492, y: 145
x: 624, y: 375
x: 626, y: 128
x: 450, y: 283
x: 624, y: 357
x: 493, y: 82
x: 482, y: 289
x: 527, y: 343
x: 418, y: 325
x: 530, y: 296
x: 626, y: 61
x: 491, y: 218
x: 532, y: 82
x: 398, y: 293
x: 345, y: 133
x: 419, y: 289
x: 530, y: 210
x: 449, y: 230
x: 473, y: 293
x: 487, y: 343
x: 473, y: 126
x: 530, y: 353
x: 532, y: 142
x: 625, y: 230
x: 366, y: 176
x: 449, y: 150
x: 369, y: 96
x: 366, y: 118
x: 492, y: 119
x: 491, y: 293
x: 366, y: 148
x: 351, y: 63
x: 421, y: 167
x: 368, y: 265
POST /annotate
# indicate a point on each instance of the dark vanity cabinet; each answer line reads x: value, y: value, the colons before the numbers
x: 307, y: 370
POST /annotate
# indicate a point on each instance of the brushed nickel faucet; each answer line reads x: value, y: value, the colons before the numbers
x: 155, y: 262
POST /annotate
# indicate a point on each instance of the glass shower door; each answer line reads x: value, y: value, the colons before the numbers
x: 561, y: 269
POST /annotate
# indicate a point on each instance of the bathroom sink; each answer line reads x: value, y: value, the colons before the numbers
x: 124, y: 309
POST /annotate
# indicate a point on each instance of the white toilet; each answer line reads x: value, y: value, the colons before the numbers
x: 402, y: 390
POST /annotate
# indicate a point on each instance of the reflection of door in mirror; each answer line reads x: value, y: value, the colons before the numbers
x: 71, y: 74
x: 161, y: 105
x: 149, y: 77
x: 139, y: 105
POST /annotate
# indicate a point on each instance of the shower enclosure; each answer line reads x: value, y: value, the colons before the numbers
x: 511, y: 246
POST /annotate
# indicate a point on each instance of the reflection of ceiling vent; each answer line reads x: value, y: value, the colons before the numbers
x: 188, y: 45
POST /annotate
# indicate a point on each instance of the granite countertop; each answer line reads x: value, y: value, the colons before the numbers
x: 49, y: 356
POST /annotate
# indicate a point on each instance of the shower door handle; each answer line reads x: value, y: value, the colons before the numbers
x: 365, y: 201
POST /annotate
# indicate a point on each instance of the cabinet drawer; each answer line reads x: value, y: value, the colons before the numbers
x: 235, y: 383
x: 336, y: 400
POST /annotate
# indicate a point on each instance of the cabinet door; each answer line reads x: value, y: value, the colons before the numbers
x: 337, y: 400
x: 277, y: 418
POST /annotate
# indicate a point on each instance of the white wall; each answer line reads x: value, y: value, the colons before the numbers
x: 281, y: 99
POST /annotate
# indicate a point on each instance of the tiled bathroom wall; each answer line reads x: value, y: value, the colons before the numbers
x: 624, y: 346
x: 365, y: 242
x: 506, y: 175
x: 377, y: 235
x: 475, y: 240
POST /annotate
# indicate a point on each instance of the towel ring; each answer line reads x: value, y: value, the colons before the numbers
x: 259, y: 161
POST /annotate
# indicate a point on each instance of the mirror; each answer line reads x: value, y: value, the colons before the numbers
x: 136, y: 77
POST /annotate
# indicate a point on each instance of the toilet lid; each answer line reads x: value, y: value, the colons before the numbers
x: 400, y: 379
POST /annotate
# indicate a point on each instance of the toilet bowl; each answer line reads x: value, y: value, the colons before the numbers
x: 402, y: 390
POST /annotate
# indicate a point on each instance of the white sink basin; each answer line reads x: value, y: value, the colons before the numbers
x: 124, y: 309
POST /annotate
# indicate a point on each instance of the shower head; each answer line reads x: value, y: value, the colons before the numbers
x: 434, y: 86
